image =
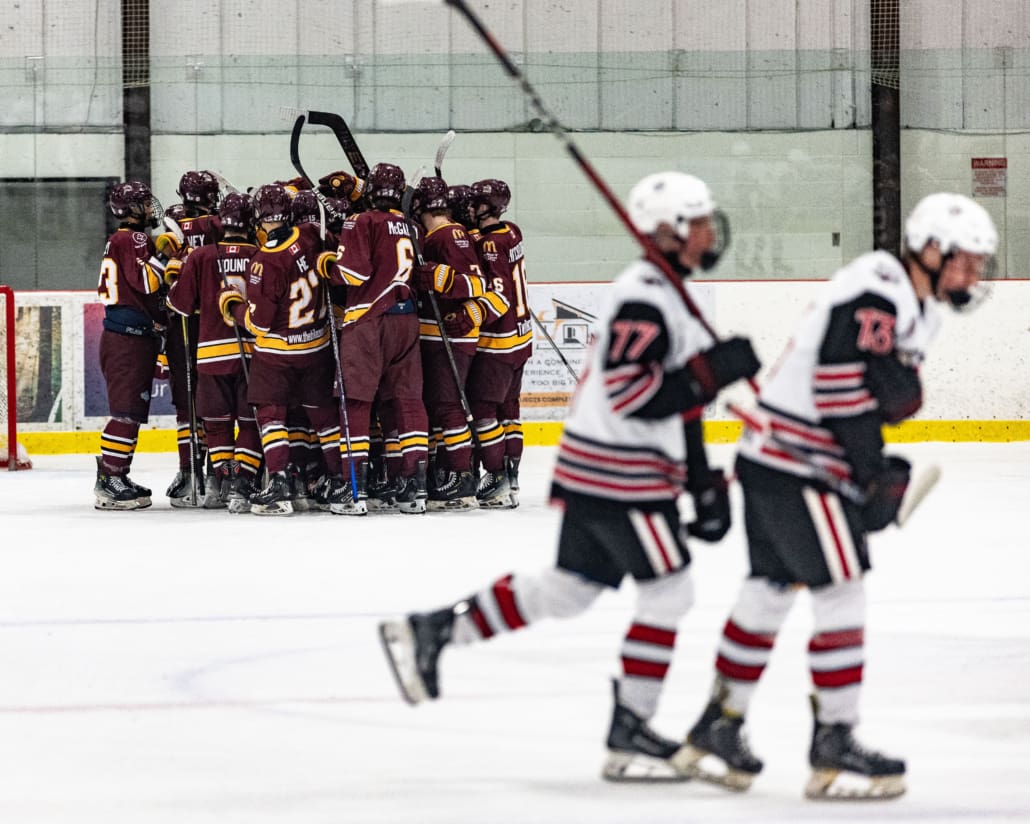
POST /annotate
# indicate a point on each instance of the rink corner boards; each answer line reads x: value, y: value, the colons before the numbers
x: 547, y: 433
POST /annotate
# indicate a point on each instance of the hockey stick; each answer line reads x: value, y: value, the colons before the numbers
x: 466, y: 409
x: 339, y: 128
x: 192, y: 407
x: 339, y: 367
x: 298, y: 126
x: 543, y: 329
x: 441, y: 150
x: 552, y: 124
x: 916, y: 493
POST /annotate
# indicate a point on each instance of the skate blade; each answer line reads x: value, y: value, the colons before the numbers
x: 637, y: 768
x: 239, y: 507
x: 186, y: 502
x: 503, y: 502
x: 708, y: 767
x: 399, y: 645
x: 99, y: 502
x: 457, y: 505
x: 214, y: 502
x: 278, y: 508
x: 379, y: 506
x: 839, y: 785
x: 302, y: 504
x: 416, y: 507
x: 349, y: 508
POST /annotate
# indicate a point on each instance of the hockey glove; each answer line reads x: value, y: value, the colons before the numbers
x: 433, y: 277
x: 712, y: 517
x: 172, y: 271
x: 711, y: 507
x: 884, y: 493
x: 339, y: 185
x: 325, y: 264
x: 168, y: 245
x: 727, y: 361
x: 460, y: 324
x: 227, y: 299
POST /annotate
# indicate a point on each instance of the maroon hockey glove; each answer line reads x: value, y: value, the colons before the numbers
x: 729, y: 360
x: 884, y: 493
x: 711, y: 507
x: 434, y: 277
x: 460, y: 324
x: 228, y: 298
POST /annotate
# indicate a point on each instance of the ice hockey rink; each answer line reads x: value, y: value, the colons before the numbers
x: 191, y: 666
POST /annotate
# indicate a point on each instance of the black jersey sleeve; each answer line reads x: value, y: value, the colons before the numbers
x: 637, y: 382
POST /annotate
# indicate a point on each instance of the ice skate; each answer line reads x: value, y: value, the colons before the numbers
x: 118, y: 492
x: 274, y: 499
x: 241, y: 490
x: 217, y: 489
x: 413, y: 646
x: 411, y: 492
x: 511, y: 467
x: 636, y: 753
x: 343, y: 501
x: 494, y: 491
x: 842, y: 769
x: 454, y: 492
x: 299, y: 496
x: 716, y: 750
x: 180, y: 490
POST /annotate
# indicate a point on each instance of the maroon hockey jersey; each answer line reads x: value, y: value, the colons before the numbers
x: 375, y: 258
x: 127, y: 279
x: 510, y: 336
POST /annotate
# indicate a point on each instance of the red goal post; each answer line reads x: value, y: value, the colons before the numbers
x: 12, y: 454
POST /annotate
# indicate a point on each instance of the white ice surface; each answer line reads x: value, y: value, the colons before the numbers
x: 191, y: 666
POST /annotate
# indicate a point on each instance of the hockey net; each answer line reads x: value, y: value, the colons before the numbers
x: 12, y: 453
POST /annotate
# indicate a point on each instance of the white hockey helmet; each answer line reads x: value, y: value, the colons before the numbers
x: 675, y: 198
x: 954, y: 221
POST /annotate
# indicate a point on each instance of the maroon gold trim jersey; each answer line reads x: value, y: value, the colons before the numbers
x: 127, y: 278
x: 504, y: 265
x: 202, y: 230
x: 375, y: 258
x: 450, y: 244
x: 196, y: 290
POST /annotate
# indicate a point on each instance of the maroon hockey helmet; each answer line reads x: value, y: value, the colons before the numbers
x: 236, y: 211
x: 176, y: 212
x: 459, y: 200
x: 493, y: 194
x: 272, y: 204
x: 304, y: 207
x: 130, y: 199
x: 385, y: 185
x: 199, y: 188
x: 430, y: 195
x: 336, y: 212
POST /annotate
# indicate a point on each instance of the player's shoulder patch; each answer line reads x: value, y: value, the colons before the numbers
x: 140, y: 238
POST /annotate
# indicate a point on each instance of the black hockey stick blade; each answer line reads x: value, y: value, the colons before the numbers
x: 344, y: 137
x: 298, y: 126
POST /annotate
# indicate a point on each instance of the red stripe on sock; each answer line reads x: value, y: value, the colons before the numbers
x: 505, y: 598
x: 826, y: 641
x: 747, y: 639
x: 737, y: 672
x: 838, y: 678
x: 652, y: 635
x: 480, y: 621
x: 639, y: 668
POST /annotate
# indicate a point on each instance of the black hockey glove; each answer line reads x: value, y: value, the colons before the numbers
x: 727, y: 361
x: 884, y: 493
x: 711, y: 507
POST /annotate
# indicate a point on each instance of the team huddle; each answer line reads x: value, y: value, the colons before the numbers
x: 353, y: 345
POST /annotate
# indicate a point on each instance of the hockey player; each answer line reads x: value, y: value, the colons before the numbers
x: 131, y: 279
x: 285, y: 309
x: 505, y: 344
x: 221, y: 368
x: 623, y: 460
x: 453, y: 278
x: 851, y: 367
x: 379, y: 349
x: 200, y: 226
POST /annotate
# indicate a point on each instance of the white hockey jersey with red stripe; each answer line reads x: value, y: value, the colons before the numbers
x: 605, y: 450
x: 868, y: 310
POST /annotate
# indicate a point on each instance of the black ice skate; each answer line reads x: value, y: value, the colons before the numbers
x: 274, y: 499
x: 413, y: 646
x: 844, y: 769
x: 299, y: 496
x: 381, y: 491
x: 635, y: 751
x: 511, y: 467
x: 716, y: 750
x: 181, y: 493
x: 343, y: 501
x: 494, y: 491
x: 411, y: 494
x: 240, y: 492
x: 454, y: 492
x: 217, y: 488
x: 117, y: 492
